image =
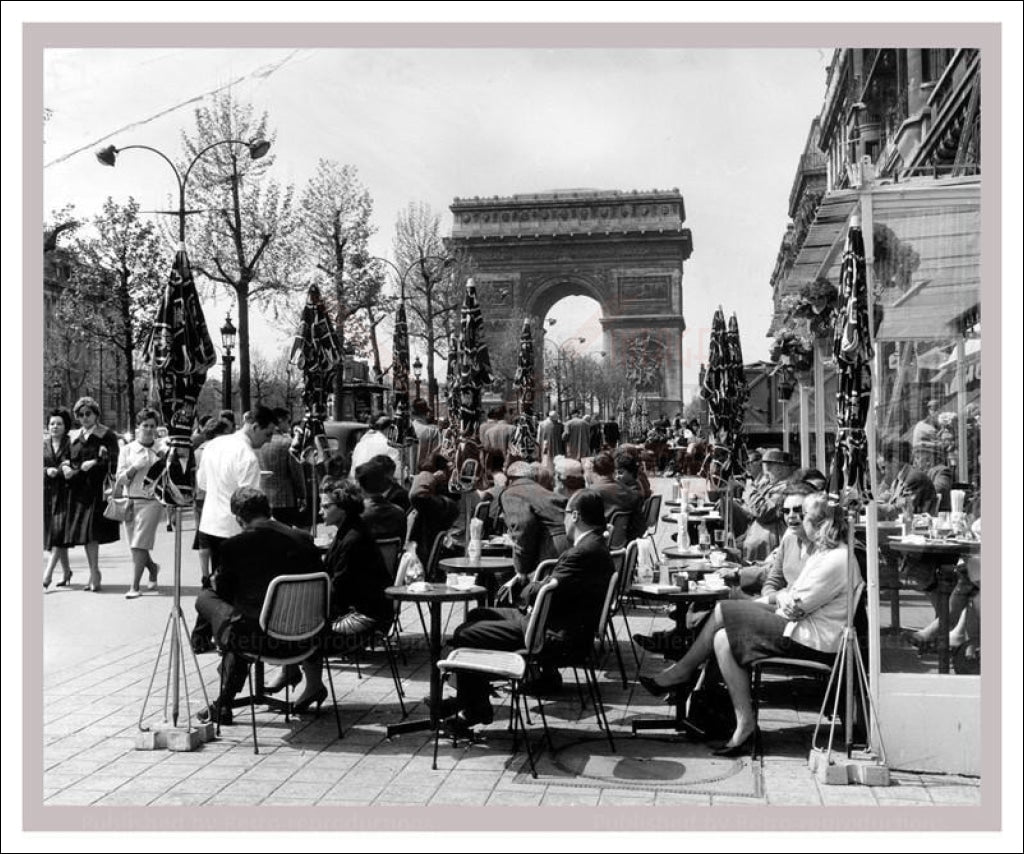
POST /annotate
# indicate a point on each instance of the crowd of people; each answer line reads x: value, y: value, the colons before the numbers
x: 253, y: 523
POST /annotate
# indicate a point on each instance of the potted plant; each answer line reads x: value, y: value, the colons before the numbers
x: 817, y: 305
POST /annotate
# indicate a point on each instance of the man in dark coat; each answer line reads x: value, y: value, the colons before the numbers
x: 583, y: 572
x: 382, y: 519
x: 618, y: 497
x: 250, y: 560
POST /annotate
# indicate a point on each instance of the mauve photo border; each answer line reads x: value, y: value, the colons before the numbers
x: 39, y: 37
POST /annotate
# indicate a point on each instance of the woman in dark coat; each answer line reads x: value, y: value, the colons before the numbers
x: 358, y: 580
x: 56, y: 451
x: 94, y: 451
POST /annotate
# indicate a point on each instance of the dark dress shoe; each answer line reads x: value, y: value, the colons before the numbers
x: 652, y: 687
x: 744, y: 747
x: 217, y: 714
x: 546, y: 683
x: 679, y: 693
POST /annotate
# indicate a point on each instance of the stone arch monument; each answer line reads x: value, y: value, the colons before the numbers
x: 623, y: 249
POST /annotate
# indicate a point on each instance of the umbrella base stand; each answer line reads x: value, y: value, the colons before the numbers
x: 861, y: 767
x: 175, y: 731
x: 840, y: 767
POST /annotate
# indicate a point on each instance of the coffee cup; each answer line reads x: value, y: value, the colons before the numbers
x: 717, y: 558
x: 452, y: 579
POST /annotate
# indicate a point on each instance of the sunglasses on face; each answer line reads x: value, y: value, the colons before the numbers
x: 789, y: 511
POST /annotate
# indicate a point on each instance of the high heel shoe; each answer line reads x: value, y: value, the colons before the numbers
x: 65, y: 581
x: 285, y: 679
x: 153, y: 573
x: 303, y: 703
x: 681, y: 691
x: 744, y: 747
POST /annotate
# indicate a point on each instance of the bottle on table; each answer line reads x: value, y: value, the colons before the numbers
x: 704, y: 538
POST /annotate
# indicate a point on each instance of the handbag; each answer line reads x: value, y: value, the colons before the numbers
x: 119, y: 509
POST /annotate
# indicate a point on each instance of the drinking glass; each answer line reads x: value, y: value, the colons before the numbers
x: 720, y: 537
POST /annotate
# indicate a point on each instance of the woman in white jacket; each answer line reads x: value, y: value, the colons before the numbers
x: 806, y: 621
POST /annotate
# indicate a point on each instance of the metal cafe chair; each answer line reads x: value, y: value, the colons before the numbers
x: 509, y: 666
x: 295, y: 613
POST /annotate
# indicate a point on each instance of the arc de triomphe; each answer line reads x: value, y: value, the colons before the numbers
x: 623, y: 249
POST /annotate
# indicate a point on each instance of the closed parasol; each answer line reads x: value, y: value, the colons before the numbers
x: 853, y: 352
x: 316, y: 351
x: 525, y: 437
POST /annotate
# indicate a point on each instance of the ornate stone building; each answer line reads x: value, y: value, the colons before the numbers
x: 623, y: 249
x: 912, y: 112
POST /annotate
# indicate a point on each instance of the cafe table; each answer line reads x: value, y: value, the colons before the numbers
x: 712, y: 521
x: 485, y: 568
x: 683, y: 600
x: 433, y: 595
x: 940, y: 556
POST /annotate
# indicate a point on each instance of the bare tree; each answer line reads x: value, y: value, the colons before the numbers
x: 247, y: 240
x: 335, y: 211
x: 435, y: 283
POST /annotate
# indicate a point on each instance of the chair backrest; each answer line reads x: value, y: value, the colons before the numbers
x: 544, y: 569
x: 627, y: 572
x: 411, y: 517
x: 652, y: 512
x: 618, y: 529
x: 433, y: 561
x: 482, y: 510
x: 534, y: 639
x: 391, y: 551
x: 295, y: 607
x: 611, y: 598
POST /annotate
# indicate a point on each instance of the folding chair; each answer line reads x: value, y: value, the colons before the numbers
x: 510, y: 666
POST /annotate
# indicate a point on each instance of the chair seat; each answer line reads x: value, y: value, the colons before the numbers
x: 503, y: 665
x: 806, y: 664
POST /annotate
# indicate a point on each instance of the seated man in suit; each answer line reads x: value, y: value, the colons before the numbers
x: 582, y: 571
x: 250, y: 560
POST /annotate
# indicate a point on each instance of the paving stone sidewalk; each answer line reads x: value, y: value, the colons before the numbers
x: 99, y: 653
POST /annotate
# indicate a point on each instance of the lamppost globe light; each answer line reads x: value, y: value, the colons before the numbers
x: 228, y: 334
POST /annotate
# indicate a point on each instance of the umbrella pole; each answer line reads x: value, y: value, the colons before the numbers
x: 171, y: 735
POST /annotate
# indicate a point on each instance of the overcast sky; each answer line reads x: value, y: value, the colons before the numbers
x: 725, y: 126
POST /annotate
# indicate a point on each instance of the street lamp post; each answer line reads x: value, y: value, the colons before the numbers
x: 417, y: 368
x: 560, y: 355
x: 108, y: 157
x: 227, y: 339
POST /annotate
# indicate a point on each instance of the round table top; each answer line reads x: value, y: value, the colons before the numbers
x: 677, y: 594
x: 676, y: 553
x: 693, y: 519
x: 485, y: 563
x: 435, y: 593
x: 935, y: 547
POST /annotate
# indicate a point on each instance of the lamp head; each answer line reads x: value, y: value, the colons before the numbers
x: 107, y: 156
x: 258, y: 148
x: 227, y: 333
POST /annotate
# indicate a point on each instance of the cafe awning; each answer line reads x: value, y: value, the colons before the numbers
x: 820, y: 254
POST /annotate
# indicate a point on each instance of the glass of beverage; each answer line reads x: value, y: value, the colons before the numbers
x: 720, y: 537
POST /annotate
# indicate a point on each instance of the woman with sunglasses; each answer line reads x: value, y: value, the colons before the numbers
x: 806, y: 622
x: 94, y: 452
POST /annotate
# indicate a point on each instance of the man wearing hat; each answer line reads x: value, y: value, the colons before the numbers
x: 534, y: 518
x: 383, y: 519
x: 763, y: 509
x: 374, y: 441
